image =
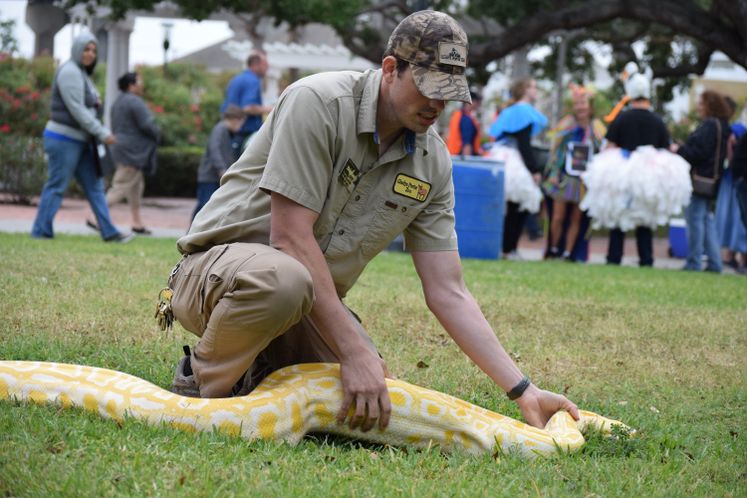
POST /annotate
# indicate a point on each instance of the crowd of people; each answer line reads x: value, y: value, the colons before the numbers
x: 625, y: 175
x: 575, y: 189
x: 78, y: 144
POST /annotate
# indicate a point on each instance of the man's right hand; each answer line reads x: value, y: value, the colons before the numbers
x: 362, y: 371
x: 364, y: 386
x: 110, y: 140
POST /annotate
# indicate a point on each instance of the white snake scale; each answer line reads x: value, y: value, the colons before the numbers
x: 292, y: 402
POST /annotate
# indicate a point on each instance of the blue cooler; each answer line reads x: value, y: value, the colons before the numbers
x: 678, y: 238
x: 478, y: 191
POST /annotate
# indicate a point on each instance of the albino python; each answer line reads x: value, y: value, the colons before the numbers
x: 292, y: 402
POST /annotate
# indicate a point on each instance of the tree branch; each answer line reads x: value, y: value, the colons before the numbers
x: 685, y: 17
x: 698, y: 67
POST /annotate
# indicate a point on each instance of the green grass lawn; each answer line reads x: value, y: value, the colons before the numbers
x: 660, y: 350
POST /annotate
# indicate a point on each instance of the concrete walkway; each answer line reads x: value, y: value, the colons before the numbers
x: 170, y: 217
x: 165, y: 217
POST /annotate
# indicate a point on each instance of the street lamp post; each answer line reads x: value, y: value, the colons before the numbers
x: 166, y: 41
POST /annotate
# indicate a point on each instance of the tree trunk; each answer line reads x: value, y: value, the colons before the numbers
x: 520, y: 63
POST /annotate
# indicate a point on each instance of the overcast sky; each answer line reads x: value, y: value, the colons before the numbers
x: 145, y: 42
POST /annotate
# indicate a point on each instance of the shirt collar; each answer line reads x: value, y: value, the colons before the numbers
x: 367, y: 116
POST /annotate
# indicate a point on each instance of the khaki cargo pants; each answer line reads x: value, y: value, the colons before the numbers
x: 248, y: 303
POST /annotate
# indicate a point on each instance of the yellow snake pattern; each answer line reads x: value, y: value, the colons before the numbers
x: 292, y: 402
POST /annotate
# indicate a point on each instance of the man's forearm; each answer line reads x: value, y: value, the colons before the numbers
x: 465, y: 323
x: 328, y: 313
x: 255, y: 109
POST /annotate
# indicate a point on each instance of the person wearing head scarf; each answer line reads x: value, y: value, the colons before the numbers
x: 70, y: 142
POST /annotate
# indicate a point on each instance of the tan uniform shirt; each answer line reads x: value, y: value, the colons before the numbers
x: 319, y: 148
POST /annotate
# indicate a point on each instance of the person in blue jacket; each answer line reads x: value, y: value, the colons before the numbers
x: 245, y: 91
x: 514, y: 127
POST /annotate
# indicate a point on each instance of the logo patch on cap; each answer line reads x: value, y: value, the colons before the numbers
x: 452, y: 54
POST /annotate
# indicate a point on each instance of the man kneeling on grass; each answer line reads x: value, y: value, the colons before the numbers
x: 344, y: 163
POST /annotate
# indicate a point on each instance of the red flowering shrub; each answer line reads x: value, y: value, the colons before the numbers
x: 25, y: 90
x: 185, y: 100
x: 23, y: 168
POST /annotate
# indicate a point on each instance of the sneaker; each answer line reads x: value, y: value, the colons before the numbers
x: 121, y: 238
x: 184, y: 383
x: 141, y: 231
x: 251, y: 379
x: 513, y: 256
x: 92, y: 225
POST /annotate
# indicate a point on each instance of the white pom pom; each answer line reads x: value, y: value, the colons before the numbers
x: 519, y: 186
x: 646, y: 189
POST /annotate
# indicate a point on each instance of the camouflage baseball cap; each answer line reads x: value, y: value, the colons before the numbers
x: 435, y: 45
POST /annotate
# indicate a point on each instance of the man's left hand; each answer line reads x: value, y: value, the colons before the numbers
x: 538, y: 405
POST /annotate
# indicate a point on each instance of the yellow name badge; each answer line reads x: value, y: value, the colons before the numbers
x: 411, y: 187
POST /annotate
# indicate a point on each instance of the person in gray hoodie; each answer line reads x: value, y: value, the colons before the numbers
x: 70, y: 142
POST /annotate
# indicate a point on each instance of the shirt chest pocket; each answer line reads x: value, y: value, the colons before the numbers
x: 391, y: 216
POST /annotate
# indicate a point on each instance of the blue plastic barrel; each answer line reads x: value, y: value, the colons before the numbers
x: 478, y: 190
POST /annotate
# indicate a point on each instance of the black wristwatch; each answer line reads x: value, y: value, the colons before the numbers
x: 519, y: 389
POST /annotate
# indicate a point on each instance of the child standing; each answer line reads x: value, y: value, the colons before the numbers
x: 218, y: 155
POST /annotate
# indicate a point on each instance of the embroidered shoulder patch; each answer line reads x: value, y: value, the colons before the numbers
x: 411, y: 187
x: 350, y: 174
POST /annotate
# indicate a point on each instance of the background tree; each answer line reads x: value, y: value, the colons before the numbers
x: 679, y: 35
x: 8, y: 41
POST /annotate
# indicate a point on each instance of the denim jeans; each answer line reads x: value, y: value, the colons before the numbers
x: 205, y: 191
x: 701, y: 235
x: 68, y: 159
x: 740, y: 186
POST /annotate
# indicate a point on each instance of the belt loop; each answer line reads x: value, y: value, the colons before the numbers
x: 176, y: 268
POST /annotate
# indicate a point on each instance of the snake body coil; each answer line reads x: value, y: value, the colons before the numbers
x: 292, y: 402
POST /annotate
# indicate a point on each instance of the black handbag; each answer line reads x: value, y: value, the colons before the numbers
x: 102, y: 158
x: 705, y: 186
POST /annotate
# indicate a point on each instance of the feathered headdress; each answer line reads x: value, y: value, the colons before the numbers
x: 579, y: 92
